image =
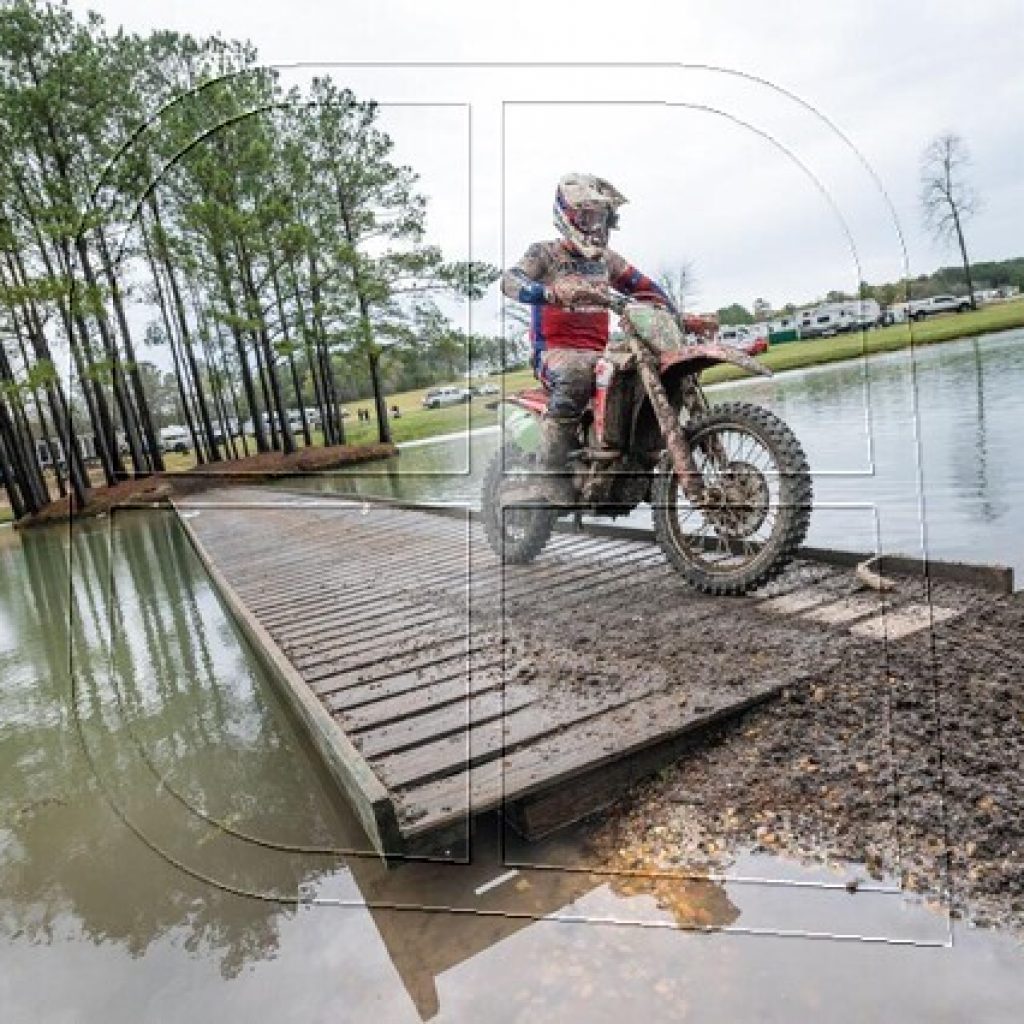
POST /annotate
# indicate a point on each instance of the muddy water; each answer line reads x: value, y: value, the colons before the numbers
x: 158, y: 808
x: 909, y: 455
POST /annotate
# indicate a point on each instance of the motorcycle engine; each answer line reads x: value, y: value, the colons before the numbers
x: 615, y: 490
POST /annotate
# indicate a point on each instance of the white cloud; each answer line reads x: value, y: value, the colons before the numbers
x: 890, y: 75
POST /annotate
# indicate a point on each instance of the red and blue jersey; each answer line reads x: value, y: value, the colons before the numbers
x: 553, y: 326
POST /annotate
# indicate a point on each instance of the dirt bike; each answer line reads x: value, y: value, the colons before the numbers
x: 729, y: 484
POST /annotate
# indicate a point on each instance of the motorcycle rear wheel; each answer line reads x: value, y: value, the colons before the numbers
x: 516, y: 535
x: 757, y: 503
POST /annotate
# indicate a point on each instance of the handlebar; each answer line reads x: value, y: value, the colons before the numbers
x: 617, y: 303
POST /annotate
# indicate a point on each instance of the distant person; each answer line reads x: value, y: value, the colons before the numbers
x: 396, y: 413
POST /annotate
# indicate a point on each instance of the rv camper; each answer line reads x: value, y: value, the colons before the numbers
x: 50, y: 449
x: 835, y: 317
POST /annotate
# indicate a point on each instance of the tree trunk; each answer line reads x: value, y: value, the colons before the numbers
x: 366, y: 329
x: 44, y: 425
x: 22, y: 442
x: 106, y: 442
x: 383, y: 425
x: 9, y: 483
x: 80, y: 345
x: 179, y: 310
x: 963, y: 254
x: 233, y: 391
x: 243, y: 362
x: 179, y: 376
x: 299, y: 400
x: 103, y: 423
x: 59, y: 406
x: 155, y: 456
x: 20, y: 468
x: 129, y: 417
x: 216, y: 378
x: 104, y: 434
x: 261, y: 373
x: 278, y: 407
x: 311, y: 355
x: 326, y: 367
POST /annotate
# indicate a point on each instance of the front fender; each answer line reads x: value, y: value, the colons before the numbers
x: 698, y: 358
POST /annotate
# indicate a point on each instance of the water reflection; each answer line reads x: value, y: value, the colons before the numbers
x: 974, y: 457
x: 144, y: 660
x: 157, y: 794
x: 120, y: 901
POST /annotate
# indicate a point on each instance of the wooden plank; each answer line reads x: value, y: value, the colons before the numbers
x: 341, y: 636
x: 590, y: 745
x: 456, y: 719
x: 369, y: 799
x: 330, y: 678
x: 453, y: 755
x: 362, y: 668
x: 354, y: 652
x: 421, y: 697
x: 364, y: 695
x: 406, y: 648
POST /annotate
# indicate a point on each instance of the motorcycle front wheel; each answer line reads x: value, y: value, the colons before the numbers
x: 756, y: 503
x: 517, y: 535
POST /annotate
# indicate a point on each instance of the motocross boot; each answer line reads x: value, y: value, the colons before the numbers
x: 554, y: 482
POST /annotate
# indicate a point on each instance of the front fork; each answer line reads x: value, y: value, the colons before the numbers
x: 690, y: 478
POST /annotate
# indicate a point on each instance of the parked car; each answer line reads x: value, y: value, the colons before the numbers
x: 175, y: 439
x: 920, y: 308
x: 449, y: 395
x: 485, y: 389
x: 743, y: 338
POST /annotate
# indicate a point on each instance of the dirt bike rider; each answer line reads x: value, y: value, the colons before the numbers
x: 555, y: 278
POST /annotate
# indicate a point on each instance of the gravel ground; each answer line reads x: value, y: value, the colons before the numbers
x: 909, y: 766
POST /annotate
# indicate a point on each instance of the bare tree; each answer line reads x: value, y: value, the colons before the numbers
x: 947, y: 198
x: 679, y: 283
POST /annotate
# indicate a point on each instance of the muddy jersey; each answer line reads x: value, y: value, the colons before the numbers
x: 553, y: 326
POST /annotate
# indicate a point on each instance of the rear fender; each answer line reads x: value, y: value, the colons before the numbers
x: 698, y: 358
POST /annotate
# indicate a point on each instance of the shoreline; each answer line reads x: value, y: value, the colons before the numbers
x: 729, y: 380
x: 162, y: 487
x: 793, y: 357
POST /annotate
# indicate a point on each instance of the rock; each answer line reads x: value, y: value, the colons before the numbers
x: 686, y: 796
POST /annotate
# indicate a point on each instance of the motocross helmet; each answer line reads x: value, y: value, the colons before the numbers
x: 585, y: 212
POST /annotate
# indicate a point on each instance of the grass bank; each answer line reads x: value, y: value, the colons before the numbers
x: 184, y: 480
x: 797, y: 355
x: 415, y: 423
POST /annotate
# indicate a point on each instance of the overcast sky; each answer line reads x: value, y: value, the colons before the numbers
x: 751, y: 186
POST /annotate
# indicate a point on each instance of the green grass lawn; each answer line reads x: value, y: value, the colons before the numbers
x: 416, y: 422
x: 948, y: 327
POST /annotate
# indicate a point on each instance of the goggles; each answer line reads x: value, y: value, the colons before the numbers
x: 593, y: 218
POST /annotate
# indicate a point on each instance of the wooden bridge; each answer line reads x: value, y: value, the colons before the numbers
x: 438, y: 684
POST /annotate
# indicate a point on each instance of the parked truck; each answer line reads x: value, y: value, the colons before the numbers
x: 918, y: 309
